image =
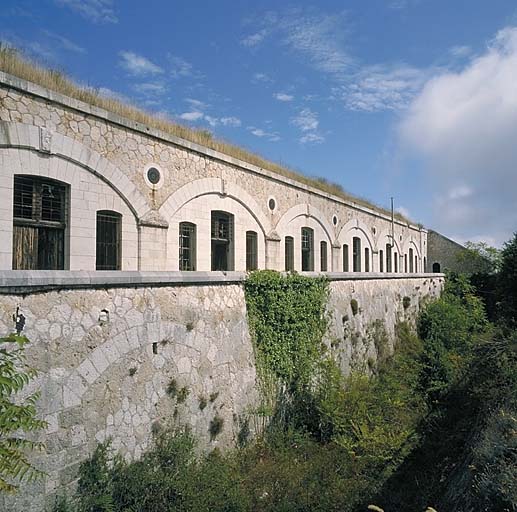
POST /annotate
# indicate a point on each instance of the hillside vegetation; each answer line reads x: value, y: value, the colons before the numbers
x: 14, y: 63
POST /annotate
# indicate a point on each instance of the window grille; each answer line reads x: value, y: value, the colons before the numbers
x: 356, y: 254
x: 222, y: 241
x: 289, y: 253
x: 39, y: 223
x: 187, y: 246
x: 323, y: 256
x: 307, y: 249
x: 251, y: 250
x: 345, y: 258
x: 108, y: 240
x: 388, y: 257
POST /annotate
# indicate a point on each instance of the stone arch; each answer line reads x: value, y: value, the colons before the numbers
x: 352, y: 225
x: 304, y: 210
x: 385, y: 237
x: 29, y: 138
x: 221, y: 187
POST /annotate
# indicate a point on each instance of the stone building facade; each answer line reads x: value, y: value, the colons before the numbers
x: 125, y: 249
x: 103, y: 192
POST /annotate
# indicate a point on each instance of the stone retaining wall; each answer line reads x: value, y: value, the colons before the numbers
x: 109, y: 352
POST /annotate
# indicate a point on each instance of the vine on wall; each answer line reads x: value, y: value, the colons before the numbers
x: 287, y: 318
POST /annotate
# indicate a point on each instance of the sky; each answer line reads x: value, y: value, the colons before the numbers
x: 410, y: 99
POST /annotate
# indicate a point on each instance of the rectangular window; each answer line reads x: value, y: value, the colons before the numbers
x: 411, y: 261
x: 108, y: 240
x: 405, y: 263
x: 366, y: 259
x: 388, y: 258
x: 416, y: 264
x: 356, y: 254
x: 39, y: 223
x: 251, y: 251
x: 289, y: 254
x: 345, y: 258
x: 323, y: 256
x: 396, y: 261
x: 222, y: 241
x: 307, y: 250
x: 187, y: 246
x: 381, y: 261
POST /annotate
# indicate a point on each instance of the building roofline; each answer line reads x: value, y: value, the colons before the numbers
x: 36, y: 90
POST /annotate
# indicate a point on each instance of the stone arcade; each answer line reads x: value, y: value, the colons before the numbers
x: 125, y: 249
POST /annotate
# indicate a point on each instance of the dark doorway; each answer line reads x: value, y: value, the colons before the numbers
x: 436, y: 268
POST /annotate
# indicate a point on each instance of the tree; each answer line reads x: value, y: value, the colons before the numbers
x: 17, y: 415
x: 479, y: 258
x: 507, y: 282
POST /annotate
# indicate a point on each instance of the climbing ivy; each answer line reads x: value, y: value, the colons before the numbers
x: 287, y: 317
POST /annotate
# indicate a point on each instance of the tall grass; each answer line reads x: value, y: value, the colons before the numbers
x: 14, y: 63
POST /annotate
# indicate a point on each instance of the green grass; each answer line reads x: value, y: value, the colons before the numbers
x: 16, y: 64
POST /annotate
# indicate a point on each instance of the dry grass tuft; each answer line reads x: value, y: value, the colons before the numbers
x: 14, y: 63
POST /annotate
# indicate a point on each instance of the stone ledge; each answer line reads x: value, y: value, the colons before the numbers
x: 22, y: 282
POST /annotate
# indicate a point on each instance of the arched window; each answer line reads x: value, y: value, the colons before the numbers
x: 411, y: 261
x: 187, y: 246
x: 307, y: 249
x: 436, y: 268
x: 108, y: 240
x: 381, y: 261
x: 356, y: 254
x: 346, y: 267
x: 396, y: 261
x: 39, y: 223
x: 323, y: 256
x: 222, y: 241
x: 366, y: 259
x: 251, y: 250
x: 388, y: 257
x: 289, y: 253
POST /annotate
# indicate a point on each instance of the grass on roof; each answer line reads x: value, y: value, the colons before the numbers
x: 14, y: 63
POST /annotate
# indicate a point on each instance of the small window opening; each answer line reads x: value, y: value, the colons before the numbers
x: 345, y: 258
x: 307, y: 250
x: 289, y: 253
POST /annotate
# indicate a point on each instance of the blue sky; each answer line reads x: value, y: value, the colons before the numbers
x: 415, y: 99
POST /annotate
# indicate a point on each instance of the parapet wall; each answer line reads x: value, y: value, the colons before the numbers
x: 115, y: 353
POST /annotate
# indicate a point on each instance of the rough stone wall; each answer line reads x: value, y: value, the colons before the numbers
x: 363, y: 332
x: 119, y: 151
x: 106, y: 375
x: 103, y: 379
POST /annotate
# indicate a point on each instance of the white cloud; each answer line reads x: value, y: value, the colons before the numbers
x: 312, y: 138
x: 180, y: 67
x: 319, y: 38
x: 138, y: 65
x: 64, y: 43
x: 98, y: 11
x: 464, y: 126
x: 233, y: 122
x: 460, y: 51
x: 261, y: 78
x: 255, y: 39
x: 192, y: 116
x: 199, y: 105
x: 150, y: 88
x: 377, y: 88
x: 259, y: 132
x: 281, y: 96
x: 306, y: 120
